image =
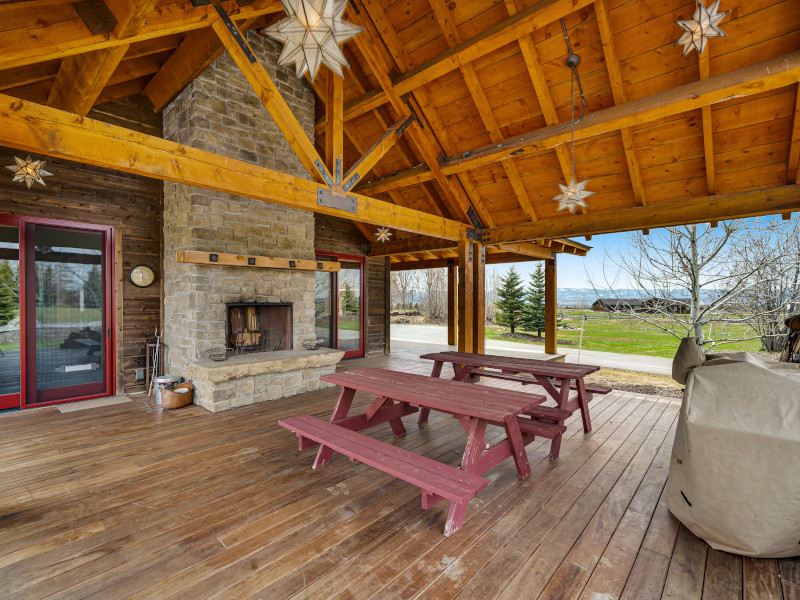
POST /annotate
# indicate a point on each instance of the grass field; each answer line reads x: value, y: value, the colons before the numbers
x: 625, y: 335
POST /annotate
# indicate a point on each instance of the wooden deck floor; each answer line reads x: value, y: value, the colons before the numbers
x: 128, y: 502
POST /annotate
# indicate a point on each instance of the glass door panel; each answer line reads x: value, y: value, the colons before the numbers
x: 323, y: 307
x: 349, y: 308
x: 67, y: 324
x: 9, y: 317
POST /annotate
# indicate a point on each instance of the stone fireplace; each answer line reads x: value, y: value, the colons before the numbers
x: 219, y: 112
x: 259, y: 326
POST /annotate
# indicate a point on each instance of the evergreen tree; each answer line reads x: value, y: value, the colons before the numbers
x: 534, y: 312
x: 510, y: 300
x: 9, y: 293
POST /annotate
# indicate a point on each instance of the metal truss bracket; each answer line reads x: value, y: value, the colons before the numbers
x: 323, y: 172
x: 330, y: 199
x: 474, y: 235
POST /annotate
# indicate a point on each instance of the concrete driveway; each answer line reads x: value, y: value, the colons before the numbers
x: 433, y: 334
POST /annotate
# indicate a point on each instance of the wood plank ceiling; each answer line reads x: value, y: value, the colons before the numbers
x: 476, y: 73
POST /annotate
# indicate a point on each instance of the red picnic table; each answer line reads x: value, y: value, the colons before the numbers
x: 398, y: 394
x: 467, y: 365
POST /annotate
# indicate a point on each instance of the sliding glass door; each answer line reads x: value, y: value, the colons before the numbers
x: 56, y: 341
x: 339, y: 306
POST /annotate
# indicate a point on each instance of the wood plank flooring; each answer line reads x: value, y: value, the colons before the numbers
x: 128, y: 501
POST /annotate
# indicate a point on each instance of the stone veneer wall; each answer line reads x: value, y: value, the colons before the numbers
x: 220, y: 113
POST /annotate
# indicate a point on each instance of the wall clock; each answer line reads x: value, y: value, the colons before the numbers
x: 141, y: 276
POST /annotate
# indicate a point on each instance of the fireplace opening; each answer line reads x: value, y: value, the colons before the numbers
x: 259, y: 326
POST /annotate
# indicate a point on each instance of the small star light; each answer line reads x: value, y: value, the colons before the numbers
x: 572, y: 195
x: 383, y: 234
x: 700, y: 27
x: 29, y: 170
x: 312, y: 33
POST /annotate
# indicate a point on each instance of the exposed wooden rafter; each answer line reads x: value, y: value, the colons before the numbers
x: 681, y: 212
x: 753, y: 79
x: 36, y: 128
x: 704, y: 62
x: 620, y: 97
x: 280, y: 112
x: 793, y: 171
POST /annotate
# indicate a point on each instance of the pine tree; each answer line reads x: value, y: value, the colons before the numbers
x: 9, y: 293
x: 510, y: 300
x: 534, y: 312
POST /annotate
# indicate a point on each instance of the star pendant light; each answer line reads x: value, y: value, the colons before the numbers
x: 29, y: 170
x: 383, y: 234
x: 573, y: 195
x: 312, y: 34
x: 700, y: 27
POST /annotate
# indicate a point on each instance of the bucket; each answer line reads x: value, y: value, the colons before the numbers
x: 177, y: 396
x: 162, y: 382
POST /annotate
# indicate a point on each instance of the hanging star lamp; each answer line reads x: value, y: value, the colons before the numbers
x: 312, y: 34
x: 573, y: 195
x: 29, y: 171
x: 703, y: 25
x: 383, y: 234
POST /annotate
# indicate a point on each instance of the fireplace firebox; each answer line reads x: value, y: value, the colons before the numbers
x: 259, y: 326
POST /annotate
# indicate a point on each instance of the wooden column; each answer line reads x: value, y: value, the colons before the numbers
x: 479, y: 299
x: 452, y: 306
x: 550, y: 307
x: 465, y: 296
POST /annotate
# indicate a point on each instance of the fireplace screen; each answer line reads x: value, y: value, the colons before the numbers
x: 259, y: 327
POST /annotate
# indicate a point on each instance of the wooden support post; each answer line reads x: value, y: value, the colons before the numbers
x: 452, y: 305
x: 479, y: 299
x: 550, y: 307
x: 334, y: 135
x: 465, y: 296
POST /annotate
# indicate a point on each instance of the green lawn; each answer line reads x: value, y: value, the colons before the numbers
x: 66, y: 314
x: 626, y: 335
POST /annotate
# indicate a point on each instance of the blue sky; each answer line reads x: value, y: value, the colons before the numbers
x: 572, y: 270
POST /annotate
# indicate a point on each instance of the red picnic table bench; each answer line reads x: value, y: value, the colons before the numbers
x: 468, y: 366
x: 398, y: 394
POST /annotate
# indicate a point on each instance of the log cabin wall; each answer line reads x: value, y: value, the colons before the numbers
x: 129, y: 203
x: 339, y: 235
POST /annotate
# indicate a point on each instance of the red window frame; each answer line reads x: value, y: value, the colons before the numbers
x: 362, y: 351
x: 27, y: 306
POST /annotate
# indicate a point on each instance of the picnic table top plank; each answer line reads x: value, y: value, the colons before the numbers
x: 546, y: 368
x: 427, y: 473
x: 444, y: 395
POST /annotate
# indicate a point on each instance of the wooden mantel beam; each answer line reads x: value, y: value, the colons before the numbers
x: 754, y: 79
x: 35, y: 128
x: 667, y: 214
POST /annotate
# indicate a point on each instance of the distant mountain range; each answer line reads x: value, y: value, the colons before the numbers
x: 585, y: 297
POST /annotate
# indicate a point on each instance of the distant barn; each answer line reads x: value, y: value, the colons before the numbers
x: 618, y: 304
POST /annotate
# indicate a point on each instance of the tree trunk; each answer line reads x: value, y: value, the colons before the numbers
x: 697, y: 322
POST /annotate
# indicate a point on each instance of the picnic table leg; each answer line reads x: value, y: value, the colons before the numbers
x: 584, y: 404
x: 514, y: 436
x: 398, y: 429
x: 476, y: 444
x: 339, y: 412
x: 455, y: 518
x: 437, y: 372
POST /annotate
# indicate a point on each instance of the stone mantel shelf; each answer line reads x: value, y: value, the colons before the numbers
x: 261, y: 363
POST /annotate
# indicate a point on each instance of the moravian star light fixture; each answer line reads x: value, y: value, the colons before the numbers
x: 573, y: 195
x: 312, y: 34
x: 383, y: 234
x: 700, y: 27
x: 29, y: 170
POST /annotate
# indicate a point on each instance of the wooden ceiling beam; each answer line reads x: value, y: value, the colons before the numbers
x: 769, y: 75
x: 792, y: 170
x: 453, y: 37
x: 492, y: 258
x: 505, y: 32
x: 36, y: 128
x: 82, y: 78
x: 704, y: 63
x: 280, y: 112
x: 334, y: 132
x: 378, y: 150
x: 368, y: 43
x: 620, y: 97
x: 29, y: 45
x: 668, y: 214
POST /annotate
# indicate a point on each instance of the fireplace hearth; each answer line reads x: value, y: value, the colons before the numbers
x: 259, y: 326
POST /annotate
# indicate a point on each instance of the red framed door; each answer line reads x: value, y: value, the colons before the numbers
x: 67, y: 300
x: 339, y: 304
x: 11, y: 355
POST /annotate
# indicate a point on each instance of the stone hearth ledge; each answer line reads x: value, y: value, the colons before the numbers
x: 260, y: 377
